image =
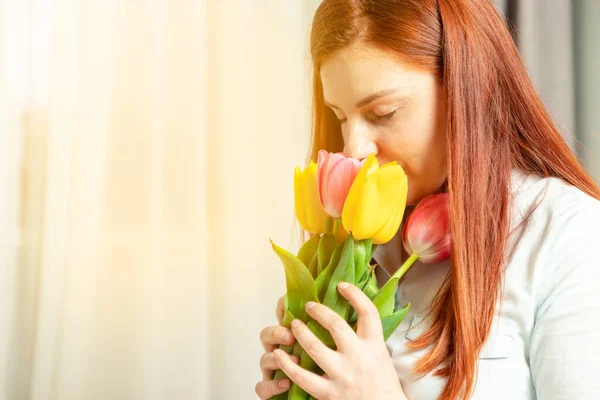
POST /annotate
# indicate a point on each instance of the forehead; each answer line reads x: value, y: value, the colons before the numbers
x: 360, y: 70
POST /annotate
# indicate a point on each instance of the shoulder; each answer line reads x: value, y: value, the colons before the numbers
x: 553, y: 210
x: 550, y: 198
x: 558, y: 226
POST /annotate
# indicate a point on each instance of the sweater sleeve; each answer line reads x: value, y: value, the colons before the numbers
x: 565, y: 341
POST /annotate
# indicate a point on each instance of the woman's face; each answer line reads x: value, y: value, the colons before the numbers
x: 390, y: 108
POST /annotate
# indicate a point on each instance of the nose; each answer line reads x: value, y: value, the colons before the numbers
x: 358, y: 142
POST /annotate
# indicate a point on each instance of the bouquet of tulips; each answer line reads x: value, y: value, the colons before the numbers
x: 350, y: 207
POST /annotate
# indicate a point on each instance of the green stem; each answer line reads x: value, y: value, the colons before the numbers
x: 336, y: 227
x: 329, y: 224
x: 405, y: 267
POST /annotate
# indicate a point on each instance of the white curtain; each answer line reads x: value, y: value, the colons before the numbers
x: 558, y: 41
x: 149, y: 149
x: 587, y: 80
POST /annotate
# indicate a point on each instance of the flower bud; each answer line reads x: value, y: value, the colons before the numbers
x: 427, y: 231
x: 335, y: 176
x: 376, y: 201
x: 309, y: 212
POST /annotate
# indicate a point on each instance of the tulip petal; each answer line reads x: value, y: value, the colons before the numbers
x: 350, y: 212
x: 376, y: 204
x: 393, y: 223
x: 427, y: 231
x: 299, y: 199
x: 309, y: 212
x: 334, y: 179
x: 315, y: 214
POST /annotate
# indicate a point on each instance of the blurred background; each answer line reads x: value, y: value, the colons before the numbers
x: 148, y: 150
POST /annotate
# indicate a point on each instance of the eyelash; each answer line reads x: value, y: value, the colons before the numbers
x: 376, y: 117
x: 382, y: 117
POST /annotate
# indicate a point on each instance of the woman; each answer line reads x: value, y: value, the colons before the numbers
x: 439, y: 87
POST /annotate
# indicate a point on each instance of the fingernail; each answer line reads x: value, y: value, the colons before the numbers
x: 284, y: 384
x: 310, y: 305
x: 296, y: 323
x: 344, y: 285
x: 287, y: 336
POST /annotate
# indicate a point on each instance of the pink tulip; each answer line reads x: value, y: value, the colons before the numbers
x: 334, y: 179
x: 427, y: 231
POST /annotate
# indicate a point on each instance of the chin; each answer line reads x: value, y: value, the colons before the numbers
x: 412, y: 198
x: 415, y: 196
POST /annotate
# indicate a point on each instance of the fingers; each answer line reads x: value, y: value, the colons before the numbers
x: 313, y: 384
x: 279, y: 310
x: 369, y: 323
x: 329, y: 360
x: 268, y: 389
x: 268, y: 364
x: 273, y: 336
x: 341, y: 332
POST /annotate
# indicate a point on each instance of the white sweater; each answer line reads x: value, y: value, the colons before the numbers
x: 545, y: 338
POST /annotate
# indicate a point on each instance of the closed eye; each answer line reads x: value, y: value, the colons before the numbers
x: 384, y: 117
x: 375, y: 117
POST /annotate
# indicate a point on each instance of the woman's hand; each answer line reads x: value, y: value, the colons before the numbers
x: 360, y: 369
x: 271, y: 337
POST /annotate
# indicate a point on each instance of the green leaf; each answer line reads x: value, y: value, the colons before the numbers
x: 372, y: 251
x: 306, y: 361
x: 344, y: 272
x: 296, y: 392
x: 362, y: 250
x: 301, y: 287
x: 279, y: 374
x: 324, y: 277
x: 326, y: 248
x: 309, y: 249
x: 359, y: 258
x: 367, y: 287
x: 313, y: 267
x: 371, y: 289
x: 385, y: 299
x: 288, y: 317
x: 391, y: 322
x: 293, y: 392
x: 362, y: 282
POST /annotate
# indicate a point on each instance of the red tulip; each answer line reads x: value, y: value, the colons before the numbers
x: 334, y: 179
x: 426, y: 234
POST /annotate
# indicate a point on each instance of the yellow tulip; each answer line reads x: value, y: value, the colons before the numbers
x: 309, y: 211
x: 375, y: 204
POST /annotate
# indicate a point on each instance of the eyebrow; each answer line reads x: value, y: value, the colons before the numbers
x: 369, y: 99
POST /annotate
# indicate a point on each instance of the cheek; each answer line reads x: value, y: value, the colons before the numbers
x: 416, y: 145
x: 421, y: 151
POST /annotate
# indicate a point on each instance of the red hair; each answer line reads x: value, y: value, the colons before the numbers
x: 495, y: 122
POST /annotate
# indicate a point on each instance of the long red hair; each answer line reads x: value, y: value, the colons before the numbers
x: 495, y: 122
